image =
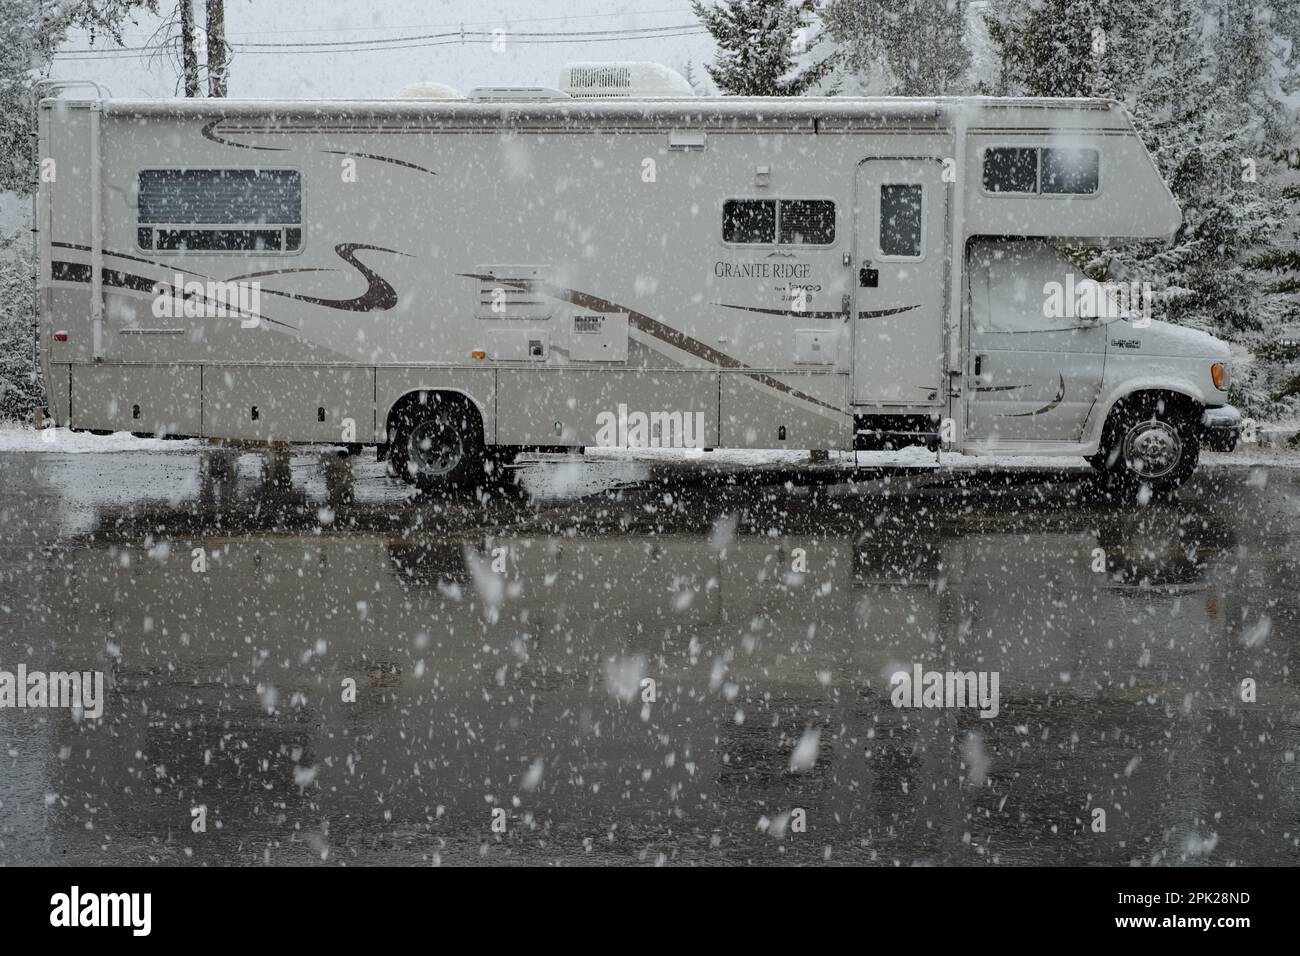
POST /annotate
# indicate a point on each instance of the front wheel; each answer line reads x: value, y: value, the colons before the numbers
x: 1149, y: 441
x: 438, y: 442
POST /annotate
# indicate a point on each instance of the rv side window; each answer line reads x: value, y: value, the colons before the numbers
x: 791, y: 222
x: 1011, y: 170
x: 1070, y: 170
x: 808, y: 222
x: 900, y: 221
x: 220, y: 210
x: 749, y: 220
x: 1047, y: 170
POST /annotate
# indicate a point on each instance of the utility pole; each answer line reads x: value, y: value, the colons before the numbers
x: 189, y: 55
x: 217, y: 51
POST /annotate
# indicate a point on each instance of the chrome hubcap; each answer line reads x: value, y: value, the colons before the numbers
x: 1152, y: 449
x: 434, y: 448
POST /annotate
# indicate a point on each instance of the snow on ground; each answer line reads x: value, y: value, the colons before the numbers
x: 910, y: 458
x: 773, y: 457
x: 19, y: 438
x: 63, y: 441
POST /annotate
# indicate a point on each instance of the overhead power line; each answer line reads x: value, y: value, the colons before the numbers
x: 431, y: 26
x: 417, y: 41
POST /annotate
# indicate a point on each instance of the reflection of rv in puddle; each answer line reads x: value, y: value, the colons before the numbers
x: 1161, y: 548
x: 231, y: 683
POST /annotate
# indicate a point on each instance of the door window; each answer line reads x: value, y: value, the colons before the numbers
x: 901, y: 222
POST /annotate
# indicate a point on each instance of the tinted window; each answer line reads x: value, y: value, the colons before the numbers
x: 900, y: 220
x: 220, y: 240
x: 749, y: 220
x: 220, y: 210
x: 1011, y: 170
x: 1070, y: 170
x: 808, y: 221
x: 220, y: 196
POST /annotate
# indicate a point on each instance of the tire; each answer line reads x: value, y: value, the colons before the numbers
x: 438, y: 442
x: 1149, y: 441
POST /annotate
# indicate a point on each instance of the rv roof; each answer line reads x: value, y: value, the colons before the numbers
x: 774, y: 111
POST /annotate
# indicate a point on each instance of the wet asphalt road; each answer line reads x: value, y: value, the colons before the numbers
x: 501, y: 649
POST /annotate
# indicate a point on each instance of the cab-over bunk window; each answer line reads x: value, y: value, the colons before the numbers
x: 1042, y: 170
x: 219, y: 210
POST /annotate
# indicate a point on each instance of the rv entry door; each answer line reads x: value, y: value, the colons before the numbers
x: 900, y: 212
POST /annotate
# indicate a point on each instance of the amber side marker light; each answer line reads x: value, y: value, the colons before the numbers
x: 1219, y: 372
x: 478, y: 354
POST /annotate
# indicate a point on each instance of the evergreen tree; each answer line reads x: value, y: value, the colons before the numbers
x: 30, y: 31
x: 1047, y: 47
x: 765, y: 47
x: 19, y: 391
x: 17, y: 18
x: 919, y: 44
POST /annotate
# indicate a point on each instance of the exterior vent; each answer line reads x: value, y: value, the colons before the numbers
x: 513, y: 292
x: 623, y: 81
x: 516, y: 94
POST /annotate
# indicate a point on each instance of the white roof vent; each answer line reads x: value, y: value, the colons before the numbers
x: 516, y: 94
x: 428, y: 90
x: 623, y: 80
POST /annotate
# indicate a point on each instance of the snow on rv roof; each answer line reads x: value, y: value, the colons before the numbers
x: 940, y: 111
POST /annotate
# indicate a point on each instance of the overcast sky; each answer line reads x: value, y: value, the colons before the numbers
x: 335, y: 74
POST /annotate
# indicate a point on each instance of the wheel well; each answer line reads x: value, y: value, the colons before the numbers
x: 1177, y: 401
x: 425, y: 396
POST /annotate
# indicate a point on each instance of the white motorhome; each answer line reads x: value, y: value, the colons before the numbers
x: 614, y: 263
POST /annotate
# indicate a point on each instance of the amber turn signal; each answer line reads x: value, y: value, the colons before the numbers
x: 1219, y: 372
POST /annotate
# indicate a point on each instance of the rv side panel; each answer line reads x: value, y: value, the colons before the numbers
x: 651, y: 408
x: 756, y: 412
x: 295, y: 403
x: 152, y: 399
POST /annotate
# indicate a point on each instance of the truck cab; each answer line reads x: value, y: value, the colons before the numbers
x: 1062, y: 363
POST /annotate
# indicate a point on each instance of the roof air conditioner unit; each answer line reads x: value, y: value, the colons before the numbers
x: 623, y: 80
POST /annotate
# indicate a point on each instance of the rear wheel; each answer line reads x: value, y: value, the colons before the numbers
x: 1149, y: 440
x: 438, y: 442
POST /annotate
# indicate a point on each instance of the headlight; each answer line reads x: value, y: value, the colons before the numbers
x: 1219, y: 372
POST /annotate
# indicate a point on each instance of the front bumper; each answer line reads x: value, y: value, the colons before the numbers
x: 1221, y: 428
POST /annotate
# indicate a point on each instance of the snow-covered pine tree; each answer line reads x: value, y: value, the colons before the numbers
x: 1046, y: 47
x: 18, y: 387
x: 20, y: 392
x: 30, y: 31
x: 1207, y: 110
x: 765, y: 47
x: 918, y: 46
x: 17, y: 20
